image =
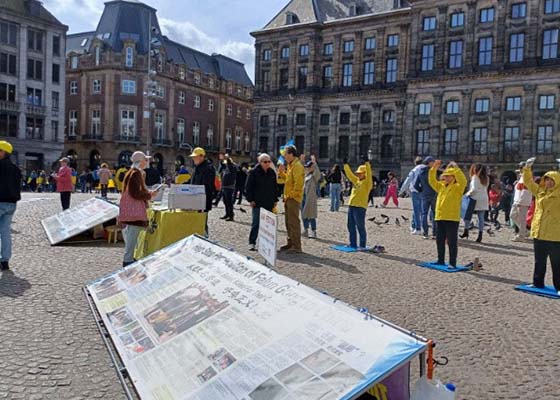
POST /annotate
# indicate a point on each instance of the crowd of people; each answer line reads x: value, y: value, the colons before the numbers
x: 442, y: 196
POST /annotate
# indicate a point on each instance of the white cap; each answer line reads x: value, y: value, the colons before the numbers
x: 138, y: 156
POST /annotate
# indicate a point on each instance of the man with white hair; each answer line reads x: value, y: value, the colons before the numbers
x: 261, y: 191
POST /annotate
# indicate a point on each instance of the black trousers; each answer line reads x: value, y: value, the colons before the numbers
x: 228, y: 201
x: 238, y: 195
x: 543, y: 251
x: 65, y: 200
x: 447, y: 231
x: 104, y: 190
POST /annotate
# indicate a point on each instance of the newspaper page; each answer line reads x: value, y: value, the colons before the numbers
x: 76, y: 220
x: 197, y: 321
x: 268, y: 224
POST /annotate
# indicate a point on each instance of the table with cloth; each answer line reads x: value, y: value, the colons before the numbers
x: 166, y: 227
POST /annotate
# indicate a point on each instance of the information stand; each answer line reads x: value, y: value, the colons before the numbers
x: 197, y: 321
x: 267, y: 239
x: 85, y: 216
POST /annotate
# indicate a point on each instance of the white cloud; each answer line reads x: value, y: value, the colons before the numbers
x: 188, y: 34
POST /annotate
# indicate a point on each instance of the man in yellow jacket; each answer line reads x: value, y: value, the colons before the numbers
x: 362, y: 184
x: 293, y: 180
x: 545, y: 228
x: 450, y: 189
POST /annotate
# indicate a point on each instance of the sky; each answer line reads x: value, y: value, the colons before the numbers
x: 211, y: 26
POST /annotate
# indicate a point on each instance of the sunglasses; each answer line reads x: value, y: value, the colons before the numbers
x: 266, y: 162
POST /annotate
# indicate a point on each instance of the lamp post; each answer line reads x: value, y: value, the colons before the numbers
x: 151, y: 85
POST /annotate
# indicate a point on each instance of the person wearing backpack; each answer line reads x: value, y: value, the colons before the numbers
x: 119, y: 177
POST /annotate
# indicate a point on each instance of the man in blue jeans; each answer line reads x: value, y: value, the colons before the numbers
x: 428, y: 197
x: 10, y: 194
x: 261, y: 191
x: 409, y: 186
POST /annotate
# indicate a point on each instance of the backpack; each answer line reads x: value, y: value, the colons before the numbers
x: 121, y: 176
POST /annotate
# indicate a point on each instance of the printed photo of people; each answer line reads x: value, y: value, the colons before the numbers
x: 315, y: 390
x: 120, y: 318
x: 320, y: 361
x: 133, y: 276
x: 269, y: 390
x: 342, y: 377
x: 206, y: 375
x: 107, y: 288
x: 294, y: 376
x: 181, y: 311
x: 221, y: 359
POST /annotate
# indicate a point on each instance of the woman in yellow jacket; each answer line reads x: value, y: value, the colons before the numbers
x: 362, y: 183
x: 450, y: 189
x: 545, y: 228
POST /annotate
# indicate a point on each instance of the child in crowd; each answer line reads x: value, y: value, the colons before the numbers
x: 450, y: 189
x: 392, y: 190
x: 495, y: 196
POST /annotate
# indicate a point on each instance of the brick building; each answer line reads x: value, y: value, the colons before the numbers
x: 114, y: 107
x: 32, y: 43
x: 464, y: 80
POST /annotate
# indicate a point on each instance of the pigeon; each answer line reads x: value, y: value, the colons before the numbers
x: 371, y: 219
x: 404, y: 218
x: 489, y: 231
x: 397, y: 222
x: 384, y: 216
x: 242, y: 210
x: 378, y: 223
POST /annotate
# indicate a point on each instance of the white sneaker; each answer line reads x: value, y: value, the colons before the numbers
x: 313, y: 234
x: 252, y: 247
x: 305, y: 233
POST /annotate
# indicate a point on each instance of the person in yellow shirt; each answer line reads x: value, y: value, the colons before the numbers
x: 119, y: 177
x: 293, y: 180
x: 450, y: 189
x: 362, y: 183
x: 545, y: 228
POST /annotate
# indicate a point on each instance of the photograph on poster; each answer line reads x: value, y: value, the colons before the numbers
x: 207, y: 374
x: 107, y: 288
x: 315, y: 390
x: 269, y: 390
x: 221, y: 359
x: 320, y: 361
x: 294, y: 376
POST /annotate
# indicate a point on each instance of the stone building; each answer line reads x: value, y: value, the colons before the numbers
x: 32, y: 43
x: 115, y: 107
x: 473, y: 81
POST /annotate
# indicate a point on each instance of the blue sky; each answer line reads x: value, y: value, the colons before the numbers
x: 212, y: 26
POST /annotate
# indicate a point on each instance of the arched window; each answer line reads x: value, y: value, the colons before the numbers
x: 210, y: 136
x: 196, y: 133
x: 228, y: 139
x: 238, y: 140
x: 247, y: 143
x: 124, y: 157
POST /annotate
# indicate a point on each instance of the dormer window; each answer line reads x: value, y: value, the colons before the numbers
x: 291, y: 18
x: 97, y: 55
x: 129, y: 57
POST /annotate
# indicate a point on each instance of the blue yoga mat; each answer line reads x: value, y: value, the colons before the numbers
x: 547, y: 291
x: 348, y: 249
x: 443, y: 268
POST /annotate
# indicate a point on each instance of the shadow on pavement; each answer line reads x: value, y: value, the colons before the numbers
x: 495, y: 248
x: 12, y: 285
x: 497, y: 279
x: 318, y: 262
x: 403, y: 260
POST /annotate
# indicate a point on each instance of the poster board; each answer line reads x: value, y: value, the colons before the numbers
x: 197, y: 321
x: 267, y: 239
x: 78, y: 219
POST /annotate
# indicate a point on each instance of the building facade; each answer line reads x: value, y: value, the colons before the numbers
x: 472, y: 81
x: 32, y: 43
x: 115, y: 107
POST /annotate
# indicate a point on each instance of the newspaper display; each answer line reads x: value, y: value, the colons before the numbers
x: 163, y: 203
x: 197, y: 321
x: 268, y: 225
x: 84, y: 216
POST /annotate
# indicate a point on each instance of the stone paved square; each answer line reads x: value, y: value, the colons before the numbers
x: 501, y: 344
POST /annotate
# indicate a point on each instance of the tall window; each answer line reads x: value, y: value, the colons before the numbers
x: 456, y: 54
x: 323, y: 147
x: 392, y: 68
x: 181, y: 130
x: 480, y: 141
x: 159, y: 125
x: 74, y: 62
x: 544, y: 139
x: 345, y: 118
x: 304, y: 50
x: 266, y: 80
x: 210, y: 105
x: 387, y: 146
x: 265, y: 121
x: 73, y: 87
x: 8, y: 64
x: 210, y: 136
x: 8, y: 92
x: 485, y: 51
x: 429, y: 24
x: 328, y: 49
x: 228, y: 138
x: 428, y: 57
x: 513, y: 103
x: 196, y: 133
x: 55, y: 73
x: 197, y: 80
x: 196, y: 101
x: 182, y: 97
x: 54, y: 130
x: 325, y: 119
x: 482, y: 105
x: 516, y: 47
x: 457, y: 20
x: 128, y: 123
x: 348, y: 46
x: 302, y: 78
x: 282, y: 120
x: 95, y: 122
x: 284, y: 78
x: 450, y: 142
x: 96, y: 86
x: 486, y: 15
x: 238, y: 139
x: 393, y: 40
x: 370, y: 43
x: 72, y: 123
x: 327, y: 76
x: 364, y: 144
x: 551, y: 6
x: 34, y: 128
x: 247, y: 143
x: 55, y: 100
x: 8, y: 33
x: 550, y: 44
x: 238, y: 112
x: 9, y: 125
x: 518, y: 10
x: 35, y: 69
x: 511, y: 139
x: 423, y: 142
x: 365, y: 117
x: 343, y: 146
x: 424, y: 108
x: 128, y: 86
x: 34, y: 97
x: 388, y: 116
x: 546, y: 102
x: 97, y: 55
x: 34, y: 40
x: 347, y: 75
x: 300, y: 119
x: 285, y: 52
x: 129, y: 57
x: 56, y: 45
x: 369, y: 73
x: 267, y: 55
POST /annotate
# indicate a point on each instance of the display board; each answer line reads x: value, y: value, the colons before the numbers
x: 268, y: 229
x: 78, y: 219
x: 197, y: 321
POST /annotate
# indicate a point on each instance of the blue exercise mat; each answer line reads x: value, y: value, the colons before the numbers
x: 348, y: 249
x: 547, y: 291
x: 444, y: 268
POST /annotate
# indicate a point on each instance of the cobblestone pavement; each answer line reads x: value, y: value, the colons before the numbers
x: 501, y: 344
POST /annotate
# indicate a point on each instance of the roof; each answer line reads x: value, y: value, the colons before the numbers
x: 321, y: 11
x: 31, y: 9
x: 131, y: 19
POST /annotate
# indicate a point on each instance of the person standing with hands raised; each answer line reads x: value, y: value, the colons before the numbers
x: 362, y: 183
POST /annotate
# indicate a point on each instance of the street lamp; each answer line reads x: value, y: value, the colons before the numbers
x: 370, y: 154
x: 154, y: 43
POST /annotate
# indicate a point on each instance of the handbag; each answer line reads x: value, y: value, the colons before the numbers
x: 131, y: 209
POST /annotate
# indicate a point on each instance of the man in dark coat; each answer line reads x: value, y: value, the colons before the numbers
x: 10, y: 194
x: 204, y: 174
x: 261, y: 190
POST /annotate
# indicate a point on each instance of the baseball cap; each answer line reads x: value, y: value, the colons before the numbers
x: 198, y: 151
x: 7, y: 147
x: 138, y: 156
x: 64, y: 159
x: 361, y: 169
x: 429, y: 159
